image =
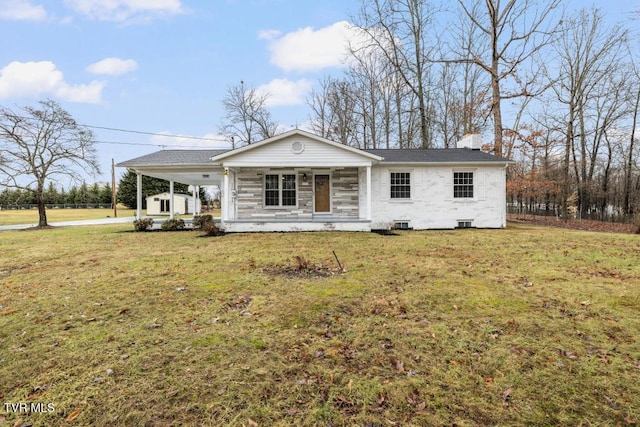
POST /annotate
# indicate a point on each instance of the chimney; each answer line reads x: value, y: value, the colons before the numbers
x: 472, y: 141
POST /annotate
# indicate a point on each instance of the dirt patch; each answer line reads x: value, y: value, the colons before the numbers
x: 301, y: 267
x: 575, y: 224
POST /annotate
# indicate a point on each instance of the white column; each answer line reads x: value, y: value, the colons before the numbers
x: 138, y: 196
x: 195, y: 194
x: 369, y: 191
x: 225, y: 196
x: 172, y: 210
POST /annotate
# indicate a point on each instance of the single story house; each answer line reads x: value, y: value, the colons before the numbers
x: 298, y: 181
x: 183, y: 204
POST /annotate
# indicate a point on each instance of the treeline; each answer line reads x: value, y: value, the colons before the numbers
x: 83, y: 194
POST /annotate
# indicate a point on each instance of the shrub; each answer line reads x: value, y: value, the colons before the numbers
x: 201, y: 220
x: 206, y: 224
x: 173, y: 224
x: 143, y: 224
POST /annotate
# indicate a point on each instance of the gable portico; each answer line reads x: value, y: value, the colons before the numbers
x: 296, y: 181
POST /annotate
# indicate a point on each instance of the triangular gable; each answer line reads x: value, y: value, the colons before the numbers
x: 296, y: 148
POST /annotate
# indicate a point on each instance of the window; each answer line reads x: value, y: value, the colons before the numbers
x: 400, y: 185
x: 280, y: 190
x: 463, y: 185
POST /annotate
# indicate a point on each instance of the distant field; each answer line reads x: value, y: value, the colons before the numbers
x: 524, y: 326
x: 30, y: 216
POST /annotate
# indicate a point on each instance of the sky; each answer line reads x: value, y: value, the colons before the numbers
x: 163, y: 67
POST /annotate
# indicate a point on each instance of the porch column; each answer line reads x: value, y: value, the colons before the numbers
x: 138, y: 195
x: 369, y: 191
x: 225, y: 195
x: 195, y: 192
x: 172, y: 211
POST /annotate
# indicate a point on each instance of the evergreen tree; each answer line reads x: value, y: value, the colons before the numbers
x: 105, y: 195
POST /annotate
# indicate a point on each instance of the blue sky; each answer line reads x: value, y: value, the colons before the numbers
x: 163, y: 66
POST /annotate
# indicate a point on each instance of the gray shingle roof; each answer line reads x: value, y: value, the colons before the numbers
x: 437, y: 155
x: 173, y: 157
x: 202, y: 157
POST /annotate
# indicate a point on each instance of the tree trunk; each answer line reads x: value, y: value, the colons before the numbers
x: 42, y: 210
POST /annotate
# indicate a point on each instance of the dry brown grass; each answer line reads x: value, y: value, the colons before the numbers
x: 524, y: 326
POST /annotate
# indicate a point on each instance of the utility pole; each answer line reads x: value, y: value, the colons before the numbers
x: 113, y: 188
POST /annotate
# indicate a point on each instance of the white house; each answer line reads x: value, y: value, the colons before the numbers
x: 298, y: 181
x: 160, y: 204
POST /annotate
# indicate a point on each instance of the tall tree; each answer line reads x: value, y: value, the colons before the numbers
x: 247, y: 119
x: 41, y: 144
x: 588, y: 53
x: 514, y: 31
x: 399, y: 30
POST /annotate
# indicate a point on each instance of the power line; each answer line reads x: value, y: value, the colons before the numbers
x: 149, y: 145
x: 201, y: 138
x: 139, y: 132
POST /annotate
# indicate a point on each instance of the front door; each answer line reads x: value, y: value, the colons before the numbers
x: 322, y: 191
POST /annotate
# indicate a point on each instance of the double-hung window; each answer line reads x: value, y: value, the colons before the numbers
x: 280, y: 190
x: 463, y: 185
x: 400, y: 185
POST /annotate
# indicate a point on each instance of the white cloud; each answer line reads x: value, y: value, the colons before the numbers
x: 307, y: 49
x: 126, y: 10
x: 286, y: 92
x: 21, y: 10
x: 268, y: 34
x: 113, y: 66
x: 35, y: 79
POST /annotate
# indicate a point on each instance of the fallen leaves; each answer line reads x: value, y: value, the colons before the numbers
x: 73, y: 415
x: 506, y: 396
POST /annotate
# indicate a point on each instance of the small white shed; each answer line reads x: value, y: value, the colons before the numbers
x: 159, y: 204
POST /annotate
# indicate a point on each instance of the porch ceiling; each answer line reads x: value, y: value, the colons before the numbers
x: 201, y: 176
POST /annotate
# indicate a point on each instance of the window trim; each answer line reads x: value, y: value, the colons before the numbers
x: 464, y: 187
x: 280, y: 190
x: 409, y: 185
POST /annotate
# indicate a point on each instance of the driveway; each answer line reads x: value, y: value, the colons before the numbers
x: 98, y: 221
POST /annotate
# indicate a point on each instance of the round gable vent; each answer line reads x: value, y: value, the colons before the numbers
x: 297, y: 147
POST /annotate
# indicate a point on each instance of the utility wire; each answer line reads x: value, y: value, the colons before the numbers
x: 139, y: 132
x: 202, y: 138
x: 151, y: 144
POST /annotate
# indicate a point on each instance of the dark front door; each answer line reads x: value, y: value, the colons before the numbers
x: 322, y: 199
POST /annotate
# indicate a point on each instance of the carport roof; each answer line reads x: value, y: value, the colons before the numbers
x: 173, y: 158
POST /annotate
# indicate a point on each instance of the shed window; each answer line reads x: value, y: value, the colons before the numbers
x: 280, y: 190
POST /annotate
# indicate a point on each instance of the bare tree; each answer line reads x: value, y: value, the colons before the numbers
x: 514, y: 31
x: 335, y: 111
x: 629, y: 161
x: 588, y: 54
x: 41, y: 144
x: 247, y: 118
x: 399, y: 30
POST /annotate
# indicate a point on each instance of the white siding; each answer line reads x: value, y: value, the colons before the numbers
x: 281, y: 154
x: 432, y: 204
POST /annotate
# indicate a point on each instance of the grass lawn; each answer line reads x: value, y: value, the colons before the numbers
x: 524, y: 326
x: 30, y: 216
